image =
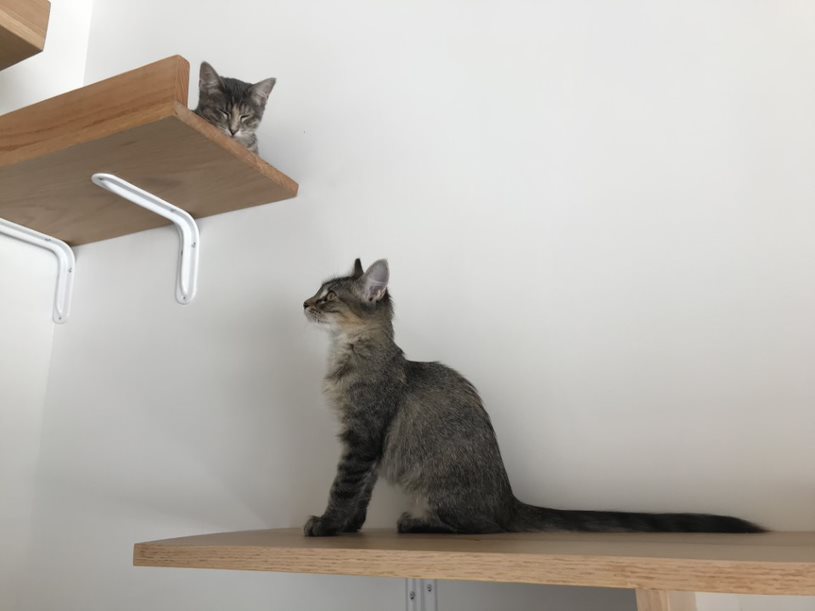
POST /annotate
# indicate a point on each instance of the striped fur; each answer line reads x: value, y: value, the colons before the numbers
x: 423, y: 427
x: 233, y: 106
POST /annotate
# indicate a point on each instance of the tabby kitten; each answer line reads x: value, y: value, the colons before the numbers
x: 234, y: 106
x: 422, y: 426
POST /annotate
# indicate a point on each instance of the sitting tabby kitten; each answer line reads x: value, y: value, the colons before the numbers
x: 423, y: 427
x: 234, y: 106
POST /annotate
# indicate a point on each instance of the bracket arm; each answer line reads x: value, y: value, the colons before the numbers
x: 187, y: 278
x: 66, y: 262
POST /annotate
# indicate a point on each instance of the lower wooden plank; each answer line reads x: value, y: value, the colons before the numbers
x: 771, y: 563
x: 661, y: 600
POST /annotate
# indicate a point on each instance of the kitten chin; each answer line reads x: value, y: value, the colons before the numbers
x: 233, y: 106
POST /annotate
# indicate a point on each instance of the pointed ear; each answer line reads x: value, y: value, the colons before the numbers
x: 374, y: 282
x: 208, y: 79
x: 260, y: 91
x: 358, y: 271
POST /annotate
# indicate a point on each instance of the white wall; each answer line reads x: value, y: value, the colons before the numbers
x: 599, y: 212
x: 28, y: 277
x: 26, y: 300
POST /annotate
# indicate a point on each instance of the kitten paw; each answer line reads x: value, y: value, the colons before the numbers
x: 410, y: 524
x: 354, y: 524
x: 405, y: 523
x: 317, y: 526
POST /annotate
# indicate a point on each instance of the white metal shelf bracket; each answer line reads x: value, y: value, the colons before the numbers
x: 66, y: 262
x: 420, y: 595
x: 189, y: 237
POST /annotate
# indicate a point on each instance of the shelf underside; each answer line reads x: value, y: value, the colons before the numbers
x: 769, y: 563
x: 136, y: 127
x: 23, y: 26
x: 54, y: 193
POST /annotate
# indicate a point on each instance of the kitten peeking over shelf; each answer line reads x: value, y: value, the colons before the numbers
x: 423, y: 427
x: 234, y: 106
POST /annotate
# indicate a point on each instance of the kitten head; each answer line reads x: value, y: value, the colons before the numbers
x: 234, y: 106
x: 355, y: 302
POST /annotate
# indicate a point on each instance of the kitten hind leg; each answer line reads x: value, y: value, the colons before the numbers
x: 425, y: 524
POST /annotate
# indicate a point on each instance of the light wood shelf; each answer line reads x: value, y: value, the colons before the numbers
x: 137, y: 126
x: 767, y: 563
x: 23, y: 26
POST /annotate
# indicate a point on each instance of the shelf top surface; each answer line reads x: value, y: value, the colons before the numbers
x: 767, y: 563
x: 137, y: 126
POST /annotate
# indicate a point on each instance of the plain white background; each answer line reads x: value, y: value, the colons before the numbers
x: 601, y: 213
x: 27, y: 277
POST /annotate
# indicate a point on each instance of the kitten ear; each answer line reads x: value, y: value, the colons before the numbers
x: 260, y: 91
x: 208, y: 79
x: 374, y: 282
x: 358, y: 271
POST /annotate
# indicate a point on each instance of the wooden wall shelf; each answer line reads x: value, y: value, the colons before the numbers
x: 23, y: 26
x: 768, y: 563
x: 138, y: 127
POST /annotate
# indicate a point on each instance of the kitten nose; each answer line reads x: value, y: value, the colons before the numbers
x: 305, y: 305
x: 233, y: 131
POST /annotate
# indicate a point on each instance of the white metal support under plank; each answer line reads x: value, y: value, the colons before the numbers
x: 66, y: 262
x: 420, y: 595
x: 189, y: 237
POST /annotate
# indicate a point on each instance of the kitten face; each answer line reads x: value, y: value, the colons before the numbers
x: 352, y: 302
x: 234, y: 106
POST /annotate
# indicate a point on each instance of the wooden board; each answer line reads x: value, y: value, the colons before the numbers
x: 111, y: 106
x: 23, y: 26
x: 769, y: 563
x: 137, y: 126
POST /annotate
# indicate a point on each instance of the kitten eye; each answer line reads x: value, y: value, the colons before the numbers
x: 331, y: 296
x: 244, y: 117
x: 223, y: 112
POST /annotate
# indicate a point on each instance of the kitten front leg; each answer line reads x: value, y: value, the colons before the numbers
x: 358, y: 520
x: 348, y: 489
x: 251, y: 143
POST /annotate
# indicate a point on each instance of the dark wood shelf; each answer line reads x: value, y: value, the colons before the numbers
x: 23, y: 26
x: 137, y: 126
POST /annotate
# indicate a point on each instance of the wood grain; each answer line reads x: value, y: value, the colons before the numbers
x: 769, y: 563
x: 660, y: 600
x: 137, y: 126
x: 23, y: 27
x: 99, y: 110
